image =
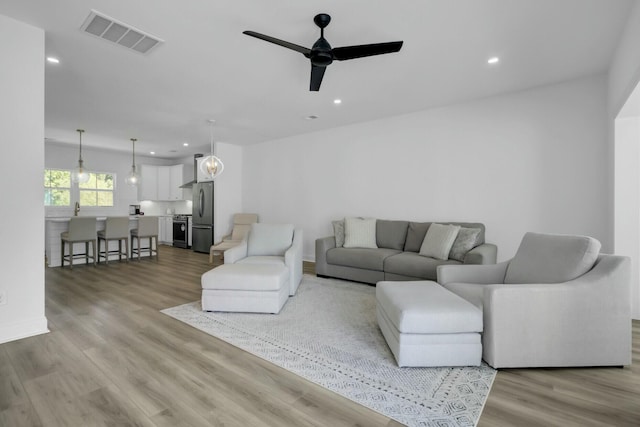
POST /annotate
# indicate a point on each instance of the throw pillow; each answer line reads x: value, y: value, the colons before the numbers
x: 391, y: 234
x: 360, y: 233
x: 466, y: 240
x: 338, y: 232
x: 439, y: 240
x: 415, y: 236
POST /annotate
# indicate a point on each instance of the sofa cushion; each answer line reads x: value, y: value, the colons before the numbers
x: 439, y: 240
x: 338, y: 232
x: 391, y: 234
x: 472, y: 292
x: 415, y: 236
x: 269, y: 239
x: 367, y: 258
x: 360, y: 233
x: 552, y: 258
x: 414, y: 265
x: 420, y: 307
x: 466, y: 240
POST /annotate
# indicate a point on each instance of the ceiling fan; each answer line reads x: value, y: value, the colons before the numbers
x: 322, y: 54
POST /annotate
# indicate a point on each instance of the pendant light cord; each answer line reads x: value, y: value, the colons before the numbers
x: 212, y: 122
x: 80, y: 132
x: 133, y: 140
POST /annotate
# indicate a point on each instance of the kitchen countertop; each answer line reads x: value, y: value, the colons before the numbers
x: 99, y: 218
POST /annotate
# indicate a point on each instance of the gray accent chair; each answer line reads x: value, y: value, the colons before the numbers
x: 557, y: 303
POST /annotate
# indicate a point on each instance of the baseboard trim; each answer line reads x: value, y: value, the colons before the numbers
x: 23, y: 329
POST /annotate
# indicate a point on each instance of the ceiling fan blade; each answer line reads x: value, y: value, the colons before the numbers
x: 303, y: 50
x: 316, y: 77
x: 352, y: 52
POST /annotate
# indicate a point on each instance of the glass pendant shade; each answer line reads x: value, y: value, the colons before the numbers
x: 79, y: 175
x: 211, y: 166
x: 133, y: 178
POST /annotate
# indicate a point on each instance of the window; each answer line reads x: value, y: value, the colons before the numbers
x: 57, y: 187
x: 98, y: 191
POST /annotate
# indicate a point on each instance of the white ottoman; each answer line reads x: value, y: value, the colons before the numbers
x: 253, y: 288
x: 426, y: 325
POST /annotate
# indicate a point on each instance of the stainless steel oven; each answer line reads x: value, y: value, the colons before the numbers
x: 181, y: 231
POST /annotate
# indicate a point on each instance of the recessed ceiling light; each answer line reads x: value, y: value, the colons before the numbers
x: 53, y: 60
x: 493, y: 60
x: 186, y: 144
x: 152, y: 152
x: 337, y: 101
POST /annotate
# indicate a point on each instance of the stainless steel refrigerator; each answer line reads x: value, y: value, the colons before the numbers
x: 202, y: 219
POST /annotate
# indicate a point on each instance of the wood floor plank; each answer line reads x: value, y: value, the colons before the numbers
x: 113, y: 359
x: 134, y: 382
x: 20, y: 414
x: 107, y: 407
x: 12, y: 392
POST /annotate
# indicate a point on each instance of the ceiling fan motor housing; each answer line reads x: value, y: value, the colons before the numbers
x: 321, y: 54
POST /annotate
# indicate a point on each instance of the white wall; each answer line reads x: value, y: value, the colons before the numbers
x: 228, y: 189
x: 65, y: 156
x: 21, y: 163
x: 627, y: 215
x: 624, y: 108
x: 528, y: 161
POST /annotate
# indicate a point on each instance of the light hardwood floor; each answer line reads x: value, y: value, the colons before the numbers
x: 112, y: 358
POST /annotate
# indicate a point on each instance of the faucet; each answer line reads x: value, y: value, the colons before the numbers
x: 76, y: 209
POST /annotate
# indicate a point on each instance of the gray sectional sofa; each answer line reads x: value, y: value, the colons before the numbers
x: 397, y: 256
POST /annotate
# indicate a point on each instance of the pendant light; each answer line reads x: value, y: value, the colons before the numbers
x: 211, y: 166
x: 133, y: 178
x: 79, y: 174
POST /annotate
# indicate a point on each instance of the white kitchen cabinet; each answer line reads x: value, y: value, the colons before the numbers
x: 165, y: 232
x: 161, y: 229
x: 176, y: 180
x: 169, y: 230
x: 162, y: 183
x: 148, y: 188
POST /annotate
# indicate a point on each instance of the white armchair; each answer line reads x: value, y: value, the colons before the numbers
x: 556, y: 303
x: 271, y: 244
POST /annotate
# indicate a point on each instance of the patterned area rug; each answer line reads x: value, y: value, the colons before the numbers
x: 328, y: 334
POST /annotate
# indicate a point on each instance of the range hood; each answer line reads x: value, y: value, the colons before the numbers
x: 195, y: 172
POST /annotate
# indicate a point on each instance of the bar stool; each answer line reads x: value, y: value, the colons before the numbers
x: 147, y: 229
x: 81, y: 230
x: 115, y: 228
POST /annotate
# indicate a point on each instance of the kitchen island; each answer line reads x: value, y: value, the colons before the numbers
x: 56, y: 225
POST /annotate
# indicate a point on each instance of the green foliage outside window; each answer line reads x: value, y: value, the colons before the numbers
x: 57, y: 187
x: 98, y: 191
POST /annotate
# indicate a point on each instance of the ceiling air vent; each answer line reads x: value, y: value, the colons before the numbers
x: 107, y: 28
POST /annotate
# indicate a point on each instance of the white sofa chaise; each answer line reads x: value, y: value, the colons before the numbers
x: 259, y: 274
x: 557, y: 303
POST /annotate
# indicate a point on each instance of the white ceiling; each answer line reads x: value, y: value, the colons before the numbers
x: 257, y: 91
